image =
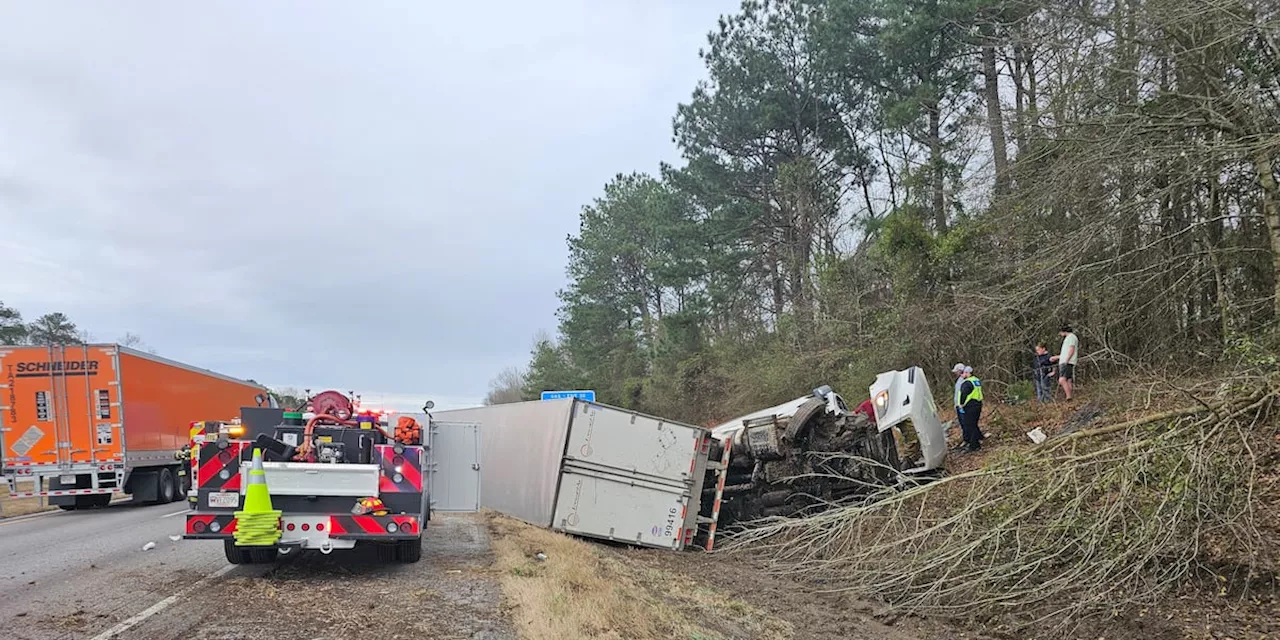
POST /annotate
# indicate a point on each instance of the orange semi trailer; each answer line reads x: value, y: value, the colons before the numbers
x: 83, y: 424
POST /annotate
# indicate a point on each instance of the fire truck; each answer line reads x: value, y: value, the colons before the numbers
x: 337, y: 477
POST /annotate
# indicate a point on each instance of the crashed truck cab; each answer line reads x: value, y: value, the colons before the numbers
x: 814, y: 451
x: 901, y: 397
x: 336, y: 476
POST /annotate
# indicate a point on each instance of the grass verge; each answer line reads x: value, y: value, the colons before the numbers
x: 10, y: 506
x: 583, y: 590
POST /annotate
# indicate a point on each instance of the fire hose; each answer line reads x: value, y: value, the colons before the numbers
x: 304, y: 447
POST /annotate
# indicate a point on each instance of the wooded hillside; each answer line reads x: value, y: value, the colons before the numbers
x: 871, y: 184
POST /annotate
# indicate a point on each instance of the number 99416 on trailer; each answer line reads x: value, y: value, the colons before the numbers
x: 326, y: 476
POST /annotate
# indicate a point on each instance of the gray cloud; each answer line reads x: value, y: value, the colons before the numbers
x: 349, y: 195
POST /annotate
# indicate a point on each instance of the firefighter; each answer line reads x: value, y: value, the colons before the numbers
x: 970, y: 410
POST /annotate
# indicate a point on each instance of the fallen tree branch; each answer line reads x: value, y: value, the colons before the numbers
x: 1130, y: 512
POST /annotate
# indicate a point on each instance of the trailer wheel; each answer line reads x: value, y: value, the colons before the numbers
x: 409, y: 551
x: 168, y: 487
x: 87, y: 502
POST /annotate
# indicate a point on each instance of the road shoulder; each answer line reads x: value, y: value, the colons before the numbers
x: 450, y: 593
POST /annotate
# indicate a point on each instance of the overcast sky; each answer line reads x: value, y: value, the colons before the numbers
x: 325, y: 194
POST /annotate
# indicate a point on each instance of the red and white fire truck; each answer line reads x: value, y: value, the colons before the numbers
x: 340, y: 477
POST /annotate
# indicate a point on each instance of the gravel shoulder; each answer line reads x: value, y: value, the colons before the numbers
x: 450, y: 593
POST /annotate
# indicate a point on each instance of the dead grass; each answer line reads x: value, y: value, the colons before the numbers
x: 585, y: 591
x: 19, y: 506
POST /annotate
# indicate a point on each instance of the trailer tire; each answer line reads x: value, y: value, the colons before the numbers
x: 166, y: 490
x: 87, y: 502
x: 409, y: 551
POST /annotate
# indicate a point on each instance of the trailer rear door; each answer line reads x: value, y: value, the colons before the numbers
x: 61, y: 406
x: 455, y: 470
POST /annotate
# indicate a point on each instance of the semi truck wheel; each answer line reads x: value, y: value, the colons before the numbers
x: 87, y: 502
x: 168, y: 489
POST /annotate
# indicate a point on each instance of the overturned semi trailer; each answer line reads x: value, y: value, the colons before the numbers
x: 591, y: 470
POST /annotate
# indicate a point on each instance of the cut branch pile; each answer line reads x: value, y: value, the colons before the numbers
x: 1088, y: 523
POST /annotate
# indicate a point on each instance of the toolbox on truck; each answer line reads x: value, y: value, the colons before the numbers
x: 319, y: 479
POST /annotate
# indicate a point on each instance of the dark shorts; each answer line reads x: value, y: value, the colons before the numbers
x: 1066, y: 372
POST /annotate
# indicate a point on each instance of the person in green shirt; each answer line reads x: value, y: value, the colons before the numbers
x: 1066, y: 360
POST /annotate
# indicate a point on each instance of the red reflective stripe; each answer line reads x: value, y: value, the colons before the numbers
x: 369, y: 524
x: 335, y: 526
x: 411, y: 478
x: 209, y: 470
x: 412, y: 474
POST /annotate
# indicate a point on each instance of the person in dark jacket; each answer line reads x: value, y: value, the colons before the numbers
x: 971, y: 410
x: 1042, y: 372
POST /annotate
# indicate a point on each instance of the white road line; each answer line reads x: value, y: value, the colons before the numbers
x: 175, y: 513
x: 160, y: 606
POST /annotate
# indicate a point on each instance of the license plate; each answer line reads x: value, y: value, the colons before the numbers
x: 65, y: 480
x: 224, y: 500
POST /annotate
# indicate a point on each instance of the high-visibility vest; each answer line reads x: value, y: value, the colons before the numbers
x: 976, y: 393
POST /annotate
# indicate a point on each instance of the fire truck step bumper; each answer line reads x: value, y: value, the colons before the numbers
x: 389, y: 527
x: 312, y: 531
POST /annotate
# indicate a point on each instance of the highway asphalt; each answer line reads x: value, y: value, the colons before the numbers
x: 84, y: 576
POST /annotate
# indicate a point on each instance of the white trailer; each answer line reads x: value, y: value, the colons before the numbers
x: 591, y: 470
